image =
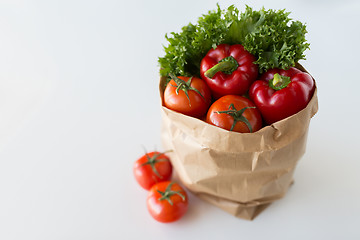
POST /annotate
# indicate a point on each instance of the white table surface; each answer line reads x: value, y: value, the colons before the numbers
x: 79, y: 99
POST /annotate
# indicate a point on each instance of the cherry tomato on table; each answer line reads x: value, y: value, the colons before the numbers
x: 152, y: 168
x: 167, y: 202
x: 188, y: 95
x: 234, y: 113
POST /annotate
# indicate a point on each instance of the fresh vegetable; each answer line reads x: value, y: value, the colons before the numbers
x: 234, y: 113
x: 188, y: 95
x: 185, y: 50
x: 152, y: 168
x: 271, y: 36
x: 228, y: 70
x: 167, y: 201
x: 281, y: 93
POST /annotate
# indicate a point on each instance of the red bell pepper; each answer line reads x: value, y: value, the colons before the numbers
x: 228, y: 70
x: 281, y: 93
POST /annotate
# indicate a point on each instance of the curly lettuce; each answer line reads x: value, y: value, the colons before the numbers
x: 270, y: 35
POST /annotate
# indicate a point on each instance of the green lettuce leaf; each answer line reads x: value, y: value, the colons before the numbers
x: 271, y: 36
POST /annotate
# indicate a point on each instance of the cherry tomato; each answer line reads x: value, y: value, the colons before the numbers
x: 167, y: 202
x: 152, y: 168
x: 188, y: 95
x: 235, y: 113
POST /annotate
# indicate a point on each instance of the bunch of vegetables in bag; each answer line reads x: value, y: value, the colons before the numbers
x: 237, y: 70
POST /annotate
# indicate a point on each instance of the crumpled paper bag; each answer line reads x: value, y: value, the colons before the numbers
x: 242, y: 173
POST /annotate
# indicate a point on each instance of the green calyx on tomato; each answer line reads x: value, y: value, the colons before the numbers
x: 279, y: 82
x: 168, y: 193
x: 167, y: 211
x: 226, y: 65
x: 153, y: 160
x: 184, y: 86
x: 237, y: 115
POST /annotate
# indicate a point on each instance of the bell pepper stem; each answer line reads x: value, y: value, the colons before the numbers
x: 279, y: 82
x: 226, y: 65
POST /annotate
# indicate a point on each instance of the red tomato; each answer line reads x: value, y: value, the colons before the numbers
x: 152, y: 168
x: 167, y: 202
x: 235, y: 113
x: 190, y: 96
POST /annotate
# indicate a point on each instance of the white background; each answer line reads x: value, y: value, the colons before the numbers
x: 79, y: 99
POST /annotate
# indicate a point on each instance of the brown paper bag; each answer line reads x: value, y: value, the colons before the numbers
x: 242, y: 173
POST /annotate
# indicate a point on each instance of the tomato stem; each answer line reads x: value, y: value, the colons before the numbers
x: 153, y: 160
x: 184, y: 86
x: 237, y: 116
x: 168, y: 193
x: 279, y: 82
x: 226, y: 65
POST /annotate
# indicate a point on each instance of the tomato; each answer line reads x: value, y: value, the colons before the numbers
x: 190, y: 96
x: 234, y: 113
x: 167, y: 202
x: 152, y: 168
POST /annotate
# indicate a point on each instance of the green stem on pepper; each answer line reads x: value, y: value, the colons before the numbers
x: 279, y: 82
x: 226, y: 65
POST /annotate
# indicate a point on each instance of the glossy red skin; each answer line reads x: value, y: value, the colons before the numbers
x: 180, y: 103
x: 225, y: 121
x: 162, y: 211
x: 277, y: 105
x: 145, y: 175
x: 236, y: 83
